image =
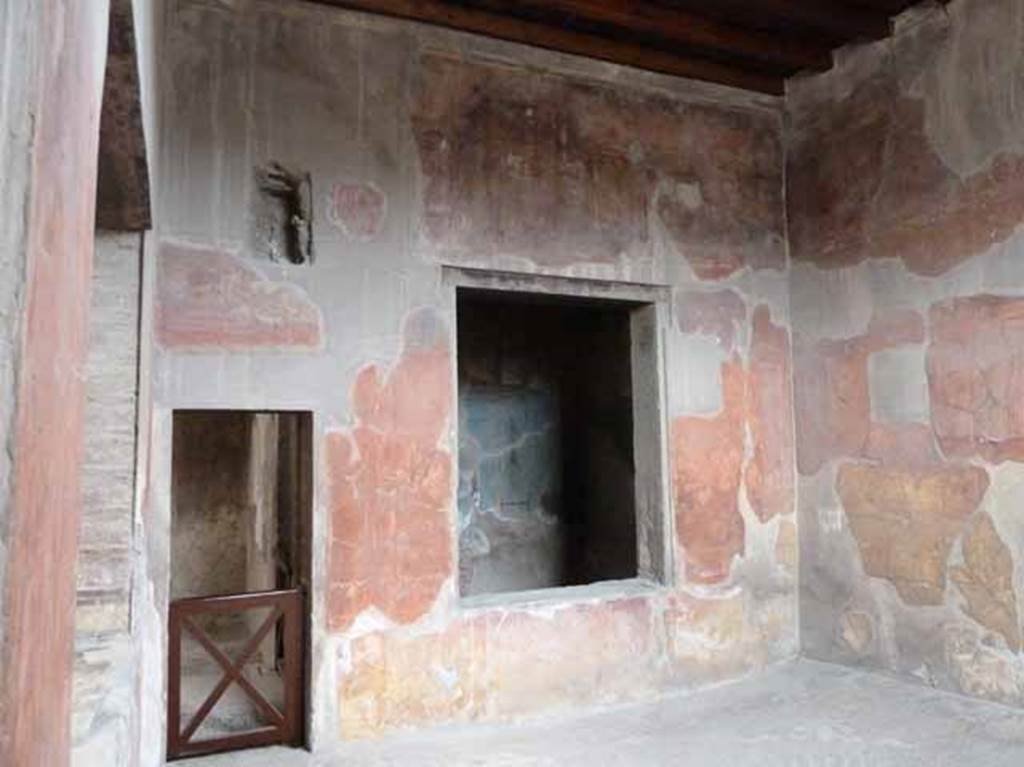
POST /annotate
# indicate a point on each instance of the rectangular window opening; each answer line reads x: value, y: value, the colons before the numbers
x: 559, y: 445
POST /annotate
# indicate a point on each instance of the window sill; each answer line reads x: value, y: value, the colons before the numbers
x: 602, y: 591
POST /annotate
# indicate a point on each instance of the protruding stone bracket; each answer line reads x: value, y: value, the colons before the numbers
x: 284, y: 215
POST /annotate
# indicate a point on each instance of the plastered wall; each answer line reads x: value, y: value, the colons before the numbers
x: 427, y: 148
x: 906, y: 202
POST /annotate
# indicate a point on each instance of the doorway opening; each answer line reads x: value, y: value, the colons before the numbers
x: 241, y: 514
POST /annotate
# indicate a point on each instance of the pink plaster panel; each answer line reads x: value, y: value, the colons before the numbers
x: 501, y: 664
x: 832, y: 393
x: 976, y: 377
x: 359, y: 210
x: 210, y: 299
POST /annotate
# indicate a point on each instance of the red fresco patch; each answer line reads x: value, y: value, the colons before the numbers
x: 536, y: 166
x: 976, y: 377
x: 865, y: 183
x: 390, y: 484
x: 770, y: 474
x: 207, y: 298
x: 358, y: 210
x: 832, y: 392
x: 716, y: 314
x: 707, y: 459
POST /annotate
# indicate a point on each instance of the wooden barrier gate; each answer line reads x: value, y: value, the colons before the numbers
x: 283, y: 721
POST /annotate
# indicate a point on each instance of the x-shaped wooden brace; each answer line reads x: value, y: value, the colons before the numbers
x: 232, y: 673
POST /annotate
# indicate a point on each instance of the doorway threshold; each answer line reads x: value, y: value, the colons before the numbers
x: 271, y: 756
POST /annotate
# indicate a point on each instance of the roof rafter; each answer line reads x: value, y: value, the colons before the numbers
x: 683, y: 28
x: 519, y: 30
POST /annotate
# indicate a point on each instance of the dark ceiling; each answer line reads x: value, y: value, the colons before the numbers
x: 749, y: 44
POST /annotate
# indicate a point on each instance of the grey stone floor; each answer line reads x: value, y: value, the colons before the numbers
x: 803, y: 714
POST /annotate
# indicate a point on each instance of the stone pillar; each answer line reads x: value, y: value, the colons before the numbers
x: 51, y: 77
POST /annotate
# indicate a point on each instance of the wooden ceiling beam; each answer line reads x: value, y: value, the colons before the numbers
x: 568, y: 41
x: 890, y: 7
x: 680, y: 27
x: 841, y: 22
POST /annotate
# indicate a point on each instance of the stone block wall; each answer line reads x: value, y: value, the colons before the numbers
x: 103, y: 723
x: 905, y: 197
x: 428, y: 149
x: 108, y: 468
